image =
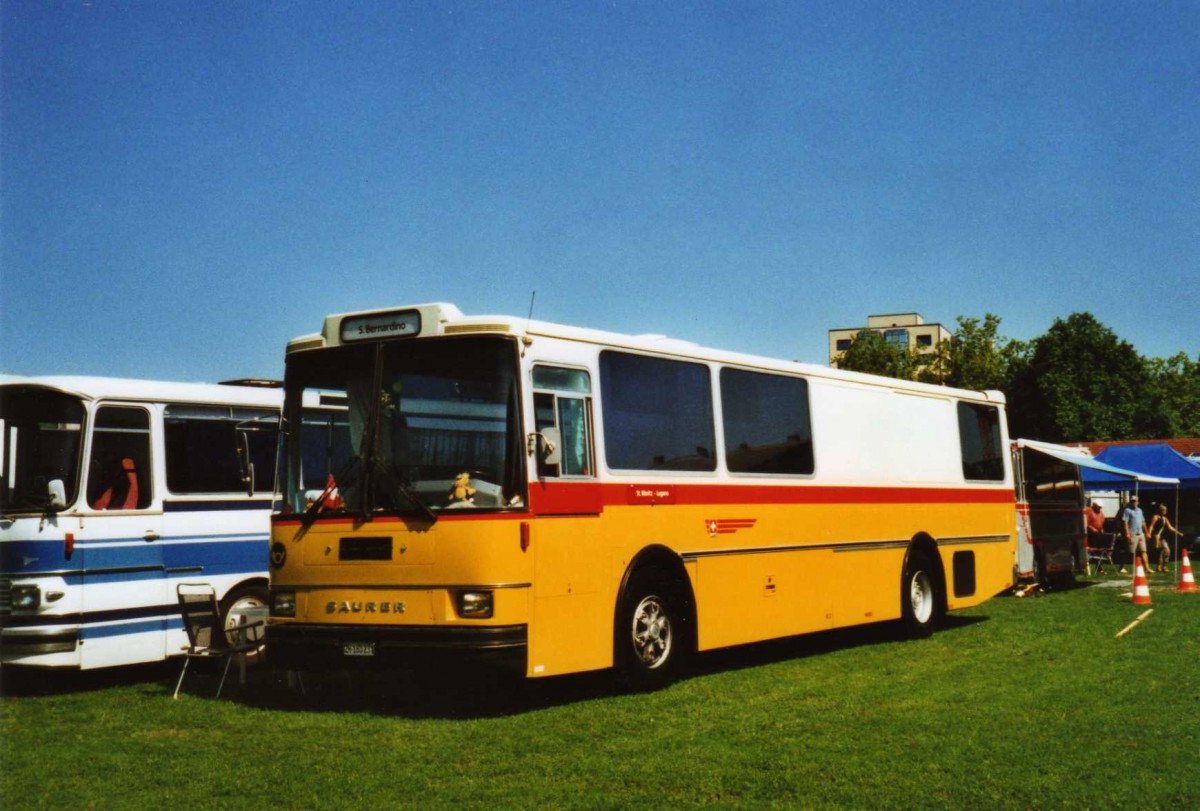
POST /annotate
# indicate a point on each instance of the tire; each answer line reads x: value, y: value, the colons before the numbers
x: 650, y: 640
x: 921, y: 598
x: 235, y: 602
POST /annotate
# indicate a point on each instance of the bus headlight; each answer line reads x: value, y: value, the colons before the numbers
x: 475, y: 605
x: 26, y: 597
x: 283, y: 603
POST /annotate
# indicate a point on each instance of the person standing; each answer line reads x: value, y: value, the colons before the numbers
x: 1133, y: 522
x: 1160, y: 525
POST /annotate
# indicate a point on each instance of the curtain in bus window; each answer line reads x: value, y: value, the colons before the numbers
x: 573, y: 424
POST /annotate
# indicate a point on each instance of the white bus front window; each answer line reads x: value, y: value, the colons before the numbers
x: 43, y: 442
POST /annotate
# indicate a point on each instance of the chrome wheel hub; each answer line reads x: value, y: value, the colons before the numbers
x: 651, y: 632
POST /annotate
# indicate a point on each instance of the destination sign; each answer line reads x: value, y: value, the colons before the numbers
x: 383, y: 325
x: 650, y: 494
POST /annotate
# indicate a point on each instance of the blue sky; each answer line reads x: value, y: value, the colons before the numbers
x: 185, y: 186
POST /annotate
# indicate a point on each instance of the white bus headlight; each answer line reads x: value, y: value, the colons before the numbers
x: 26, y: 597
x: 283, y: 603
x: 476, y: 605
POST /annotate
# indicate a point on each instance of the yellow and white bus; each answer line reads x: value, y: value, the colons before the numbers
x: 577, y: 500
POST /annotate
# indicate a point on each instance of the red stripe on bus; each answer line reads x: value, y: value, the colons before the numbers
x: 590, y: 498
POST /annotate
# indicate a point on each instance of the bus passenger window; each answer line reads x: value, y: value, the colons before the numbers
x: 767, y: 425
x: 658, y: 413
x: 119, y: 468
x: 565, y: 410
x: 979, y: 435
x: 572, y: 421
x: 201, y: 447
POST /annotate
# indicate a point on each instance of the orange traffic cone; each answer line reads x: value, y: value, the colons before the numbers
x: 1141, y: 586
x: 1186, y: 581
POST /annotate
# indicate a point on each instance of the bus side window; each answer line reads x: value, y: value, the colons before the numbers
x: 568, y: 410
x: 119, y: 468
x: 201, y: 447
x: 979, y: 436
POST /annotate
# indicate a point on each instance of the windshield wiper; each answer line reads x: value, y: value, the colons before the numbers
x: 405, y: 488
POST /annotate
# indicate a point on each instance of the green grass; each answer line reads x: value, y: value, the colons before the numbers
x: 1017, y: 704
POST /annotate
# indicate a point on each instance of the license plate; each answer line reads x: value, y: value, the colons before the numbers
x: 358, y: 648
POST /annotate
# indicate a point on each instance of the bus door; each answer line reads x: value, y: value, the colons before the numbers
x: 568, y: 613
x: 124, y: 605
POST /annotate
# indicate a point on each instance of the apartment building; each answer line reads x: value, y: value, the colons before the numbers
x: 903, y: 330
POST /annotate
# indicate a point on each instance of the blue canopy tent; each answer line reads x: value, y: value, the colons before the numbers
x: 1158, y: 460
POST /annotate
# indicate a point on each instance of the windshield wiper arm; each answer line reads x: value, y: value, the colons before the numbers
x: 404, y: 487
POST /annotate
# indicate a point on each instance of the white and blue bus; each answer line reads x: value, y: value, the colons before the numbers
x: 112, y: 493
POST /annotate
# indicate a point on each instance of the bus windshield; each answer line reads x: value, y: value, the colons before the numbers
x: 403, y: 427
x: 41, y: 439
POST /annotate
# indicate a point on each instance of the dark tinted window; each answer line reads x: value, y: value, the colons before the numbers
x: 767, y: 427
x: 201, y: 447
x: 979, y: 436
x: 657, y: 413
x: 41, y: 437
x: 325, y: 446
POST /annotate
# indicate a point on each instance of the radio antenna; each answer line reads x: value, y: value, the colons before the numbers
x: 532, y: 297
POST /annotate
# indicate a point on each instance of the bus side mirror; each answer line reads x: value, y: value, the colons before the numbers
x: 548, y: 444
x: 243, y: 450
x: 57, y: 492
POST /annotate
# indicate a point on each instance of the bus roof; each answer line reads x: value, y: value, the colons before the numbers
x: 425, y: 320
x: 117, y: 388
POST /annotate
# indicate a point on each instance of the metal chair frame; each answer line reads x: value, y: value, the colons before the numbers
x: 1102, y: 554
x: 206, y: 634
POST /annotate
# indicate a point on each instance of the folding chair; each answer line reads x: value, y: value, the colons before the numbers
x: 206, y: 635
x: 1103, y: 552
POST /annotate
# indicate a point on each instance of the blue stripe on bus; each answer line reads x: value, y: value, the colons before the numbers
x: 109, y: 631
x: 151, y: 613
x: 211, y: 554
x: 213, y: 506
x: 227, y: 557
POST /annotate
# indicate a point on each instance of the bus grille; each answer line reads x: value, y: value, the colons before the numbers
x: 5, y: 596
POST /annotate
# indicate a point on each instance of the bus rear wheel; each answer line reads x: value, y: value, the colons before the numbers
x: 650, y: 642
x: 920, y: 596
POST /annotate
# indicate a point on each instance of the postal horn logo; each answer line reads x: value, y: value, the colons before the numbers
x: 727, y: 526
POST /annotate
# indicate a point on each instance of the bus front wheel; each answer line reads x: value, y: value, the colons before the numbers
x: 920, y: 595
x: 233, y: 609
x: 650, y: 644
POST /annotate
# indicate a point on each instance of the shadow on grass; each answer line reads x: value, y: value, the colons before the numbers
x: 461, y: 690
x: 35, y: 681
x: 466, y: 691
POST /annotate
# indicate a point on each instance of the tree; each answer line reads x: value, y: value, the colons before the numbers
x: 871, y: 353
x: 1081, y: 382
x: 976, y: 357
x: 1175, y: 389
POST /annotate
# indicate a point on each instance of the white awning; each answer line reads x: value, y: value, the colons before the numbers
x: 1074, y: 456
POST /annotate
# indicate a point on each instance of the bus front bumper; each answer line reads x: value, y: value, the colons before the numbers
x: 323, y: 647
x: 17, y: 644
